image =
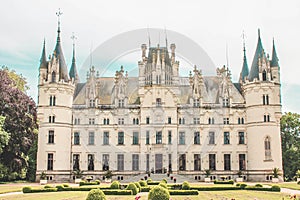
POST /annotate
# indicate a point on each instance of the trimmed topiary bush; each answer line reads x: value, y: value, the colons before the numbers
x: 275, y: 188
x: 183, y: 192
x: 60, y: 187
x: 158, y: 193
x: 133, y: 188
x: 138, y: 186
x: 115, y: 185
x: 186, y: 185
x: 96, y: 194
x: 145, y: 189
x: 163, y: 184
x: 26, y: 189
x: 149, y: 180
x: 224, y: 182
x: 48, y: 186
x: 164, y: 180
x: 258, y: 185
x: 98, y: 181
x: 243, y: 185
x: 143, y: 183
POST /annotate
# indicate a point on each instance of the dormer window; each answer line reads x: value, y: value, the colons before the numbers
x: 158, y: 102
x: 121, y: 103
x: 197, y: 103
x: 264, y: 75
x: 225, y: 102
x: 53, y: 77
x: 92, y: 103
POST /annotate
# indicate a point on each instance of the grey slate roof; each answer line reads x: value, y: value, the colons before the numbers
x: 274, y: 61
x: 43, y: 60
x: 73, y: 70
x: 254, y: 71
x: 245, y: 69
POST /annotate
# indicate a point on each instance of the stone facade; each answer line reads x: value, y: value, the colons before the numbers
x: 159, y: 122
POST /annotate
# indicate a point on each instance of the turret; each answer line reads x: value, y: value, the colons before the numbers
x: 43, y: 65
x: 73, y: 70
x: 245, y: 71
x: 275, y: 69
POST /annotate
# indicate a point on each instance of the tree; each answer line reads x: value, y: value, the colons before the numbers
x: 19, y: 110
x: 290, y: 141
x: 4, y: 136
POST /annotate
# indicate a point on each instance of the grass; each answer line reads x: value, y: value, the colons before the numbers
x: 8, y: 188
x: 289, y: 185
x: 241, y: 195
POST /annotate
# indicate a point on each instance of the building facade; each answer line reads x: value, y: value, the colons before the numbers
x: 159, y: 121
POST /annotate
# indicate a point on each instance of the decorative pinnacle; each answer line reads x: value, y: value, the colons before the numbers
x: 58, y: 14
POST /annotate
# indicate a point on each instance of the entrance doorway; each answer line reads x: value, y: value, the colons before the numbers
x: 158, y: 164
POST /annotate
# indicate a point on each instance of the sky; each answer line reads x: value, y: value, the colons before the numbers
x: 216, y: 26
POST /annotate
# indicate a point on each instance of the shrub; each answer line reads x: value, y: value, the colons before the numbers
x: 133, y: 188
x: 117, y: 192
x: 298, y: 183
x: 258, y: 185
x: 138, y: 186
x: 224, y: 182
x: 66, y: 185
x: 60, y: 187
x: 43, y: 190
x: 163, y: 184
x: 143, y: 183
x: 275, y: 188
x: 186, y: 185
x: 26, y: 189
x: 149, y: 180
x: 158, y: 192
x: 183, y: 192
x: 115, y: 185
x: 199, y: 188
x: 145, y: 189
x: 81, y: 183
x: 164, y: 180
x: 96, y: 194
x: 48, y: 186
x: 238, y: 184
x: 153, y: 183
x: 98, y: 181
x: 243, y: 185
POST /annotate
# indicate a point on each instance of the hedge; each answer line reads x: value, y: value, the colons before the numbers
x: 153, y: 183
x: 145, y: 189
x: 183, y: 192
x: 117, y: 192
x: 81, y: 183
x: 31, y: 190
x: 224, y: 182
x: 214, y: 188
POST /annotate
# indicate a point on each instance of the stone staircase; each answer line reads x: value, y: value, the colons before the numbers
x: 159, y: 177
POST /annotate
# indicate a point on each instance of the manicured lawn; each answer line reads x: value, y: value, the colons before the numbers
x: 241, y: 195
x: 290, y: 185
x: 8, y: 188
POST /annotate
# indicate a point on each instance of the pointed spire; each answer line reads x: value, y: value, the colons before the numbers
x: 259, y: 53
x: 43, y: 60
x: 63, y: 70
x: 73, y: 70
x: 274, y: 61
x: 245, y: 70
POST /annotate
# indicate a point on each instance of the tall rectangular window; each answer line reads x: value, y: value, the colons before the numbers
x: 91, y: 159
x: 51, y: 137
x: 241, y: 138
x: 211, y: 138
x: 225, y: 102
x: 182, y: 162
x: 120, y: 137
x: 181, y: 121
x: 169, y: 120
x: 77, y: 121
x: 91, y: 138
x: 197, y: 162
x: 50, y: 161
x: 227, y: 162
x: 76, y: 138
x: 121, y: 103
x: 212, y: 161
x: 106, y: 121
x: 158, y: 137
x: 169, y: 137
x: 120, y: 162
x: 52, y: 101
x: 196, y: 120
x: 225, y: 120
x: 147, y: 162
x: 105, y: 162
x: 92, y: 103
x: 76, y: 162
x: 147, y: 137
x: 105, y: 138
x: 181, y: 137
x: 242, y: 162
x: 135, y: 138
x: 226, y: 138
x: 158, y: 102
x: 197, y: 137
x: 91, y: 121
x: 196, y: 102
x: 135, y: 162
x: 147, y: 120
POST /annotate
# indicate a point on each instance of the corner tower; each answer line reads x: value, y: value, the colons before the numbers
x: 55, y: 99
x: 261, y: 90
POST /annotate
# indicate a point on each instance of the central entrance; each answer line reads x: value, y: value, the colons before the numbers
x: 158, y: 163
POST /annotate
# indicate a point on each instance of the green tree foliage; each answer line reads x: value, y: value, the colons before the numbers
x: 19, y: 110
x: 96, y: 194
x: 290, y: 132
x: 4, y: 136
x: 159, y: 193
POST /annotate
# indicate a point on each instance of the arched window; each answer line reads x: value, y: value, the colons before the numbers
x: 264, y: 75
x: 268, y: 148
x: 53, y: 77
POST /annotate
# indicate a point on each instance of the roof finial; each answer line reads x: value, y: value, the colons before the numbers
x: 244, y: 46
x: 166, y: 37
x: 58, y: 14
x: 259, y: 32
x: 73, y: 37
x: 149, y: 37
